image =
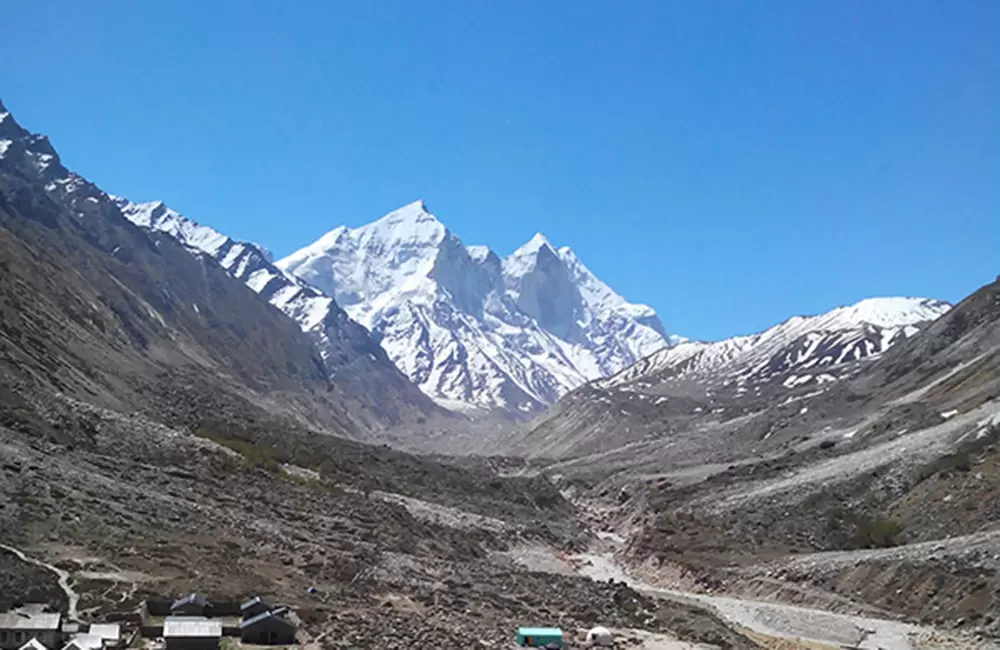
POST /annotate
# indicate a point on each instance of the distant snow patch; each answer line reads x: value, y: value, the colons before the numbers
x: 797, y: 380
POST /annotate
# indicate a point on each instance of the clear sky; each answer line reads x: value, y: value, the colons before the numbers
x: 730, y: 162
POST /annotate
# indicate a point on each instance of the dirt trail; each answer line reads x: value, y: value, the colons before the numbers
x: 71, y: 596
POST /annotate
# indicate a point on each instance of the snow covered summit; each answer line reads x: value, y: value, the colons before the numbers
x: 472, y: 329
x: 808, y: 345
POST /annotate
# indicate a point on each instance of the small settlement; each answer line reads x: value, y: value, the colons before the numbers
x: 191, y: 622
x: 32, y: 627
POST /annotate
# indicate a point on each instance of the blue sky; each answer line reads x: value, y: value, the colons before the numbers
x: 729, y: 162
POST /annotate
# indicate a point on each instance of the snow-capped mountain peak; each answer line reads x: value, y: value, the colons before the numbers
x: 479, y: 253
x: 535, y: 245
x: 823, y: 345
x: 391, y: 255
x: 890, y: 312
x: 472, y: 329
x: 411, y: 223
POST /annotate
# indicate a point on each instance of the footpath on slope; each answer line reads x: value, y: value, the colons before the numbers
x: 802, y: 627
x: 72, y: 597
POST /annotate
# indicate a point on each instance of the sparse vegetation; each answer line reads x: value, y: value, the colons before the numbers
x: 878, y: 532
x: 255, y: 455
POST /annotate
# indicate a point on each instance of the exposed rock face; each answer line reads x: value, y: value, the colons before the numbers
x: 354, y: 361
x: 95, y: 308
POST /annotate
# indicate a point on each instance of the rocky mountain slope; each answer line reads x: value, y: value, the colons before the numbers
x: 96, y: 309
x: 804, y: 343
x: 355, y: 362
x: 162, y: 430
x: 470, y: 328
x: 694, y: 382
x: 876, y: 488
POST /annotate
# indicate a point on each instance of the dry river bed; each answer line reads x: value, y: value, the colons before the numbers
x: 788, y: 625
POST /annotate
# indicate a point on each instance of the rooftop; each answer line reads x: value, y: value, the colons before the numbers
x: 106, y: 631
x: 254, y: 601
x: 33, y: 644
x: 190, y: 627
x: 191, y: 599
x: 276, y: 614
x: 539, y: 631
x: 21, y: 620
x: 85, y: 642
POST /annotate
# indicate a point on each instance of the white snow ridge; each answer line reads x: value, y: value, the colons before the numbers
x: 803, y: 343
x: 473, y: 330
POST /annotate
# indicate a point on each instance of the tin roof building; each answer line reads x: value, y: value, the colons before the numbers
x: 21, y: 626
x: 190, y: 633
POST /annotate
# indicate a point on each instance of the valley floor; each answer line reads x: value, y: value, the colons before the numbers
x: 771, y: 624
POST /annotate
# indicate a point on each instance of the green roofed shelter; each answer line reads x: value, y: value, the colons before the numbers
x: 539, y: 637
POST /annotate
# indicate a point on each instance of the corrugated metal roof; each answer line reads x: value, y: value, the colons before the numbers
x: 23, y: 621
x: 253, y: 601
x: 190, y: 599
x: 107, y: 631
x: 277, y: 614
x: 85, y: 642
x: 173, y: 627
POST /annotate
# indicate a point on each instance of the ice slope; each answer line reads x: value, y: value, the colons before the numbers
x: 469, y: 327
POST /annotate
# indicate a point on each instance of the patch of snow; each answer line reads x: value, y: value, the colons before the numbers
x: 796, y: 380
x: 155, y: 315
x: 949, y: 414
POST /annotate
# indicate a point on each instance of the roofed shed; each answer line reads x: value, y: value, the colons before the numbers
x: 268, y: 628
x: 109, y: 633
x: 85, y: 642
x: 255, y: 607
x: 539, y: 637
x: 191, y: 605
x: 191, y: 633
x: 21, y: 626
